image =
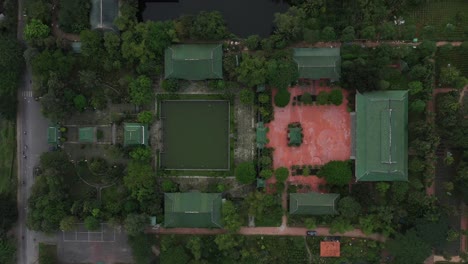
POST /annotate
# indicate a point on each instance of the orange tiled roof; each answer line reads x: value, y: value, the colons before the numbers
x: 329, y: 248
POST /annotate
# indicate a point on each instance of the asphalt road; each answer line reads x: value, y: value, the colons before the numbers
x: 31, y: 142
x: 31, y: 129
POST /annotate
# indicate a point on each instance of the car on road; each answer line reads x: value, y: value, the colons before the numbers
x: 311, y: 233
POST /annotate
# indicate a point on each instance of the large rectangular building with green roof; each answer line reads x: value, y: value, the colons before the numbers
x: 313, y: 203
x: 382, y: 136
x: 192, y: 210
x: 318, y: 63
x: 194, y: 61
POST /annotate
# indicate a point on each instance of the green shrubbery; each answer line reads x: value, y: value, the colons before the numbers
x: 336, y: 172
x: 282, y: 98
x: 170, y: 85
x: 245, y: 173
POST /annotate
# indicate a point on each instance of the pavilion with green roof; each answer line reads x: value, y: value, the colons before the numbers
x: 192, y: 209
x: 313, y: 203
x: 295, y: 136
x: 318, y: 63
x: 135, y: 134
x: 86, y: 135
x: 262, y: 139
x: 194, y: 61
x: 53, y: 135
x: 382, y: 136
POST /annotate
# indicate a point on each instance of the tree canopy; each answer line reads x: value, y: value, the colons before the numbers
x: 245, y: 172
x: 336, y: 172
x: 141, y: 91
x: 408, y: 248
x: 11, y: 62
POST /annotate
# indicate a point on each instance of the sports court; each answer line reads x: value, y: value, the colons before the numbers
x: 105, y: 245
x: 104, y: 234
x: 326, y: 129
x: 195, y: 135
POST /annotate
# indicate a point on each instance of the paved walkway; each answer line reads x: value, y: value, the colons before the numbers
x: 267, y: 231
x: 366, y: 43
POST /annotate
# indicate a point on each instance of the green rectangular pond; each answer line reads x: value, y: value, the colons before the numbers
x: 195, y: 135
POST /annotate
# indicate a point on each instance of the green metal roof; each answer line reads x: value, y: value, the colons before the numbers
x: 261, y: 135
x: 52, y: 135
x: 194, y: 61
x: 382, y: 136
x: 313, y: 203
x: 260, y: 183
x: 135, y: 134
x: 193, y: 209
x: 86, y: 134
x: 318, y: 63
x: 295, y: 135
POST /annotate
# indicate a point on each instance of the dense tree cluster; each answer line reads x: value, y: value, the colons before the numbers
x: 11, y: 63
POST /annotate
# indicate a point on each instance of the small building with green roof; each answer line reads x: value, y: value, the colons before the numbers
x: 192, y: 210
x: 382, y: 136
x: 295, y: 136
x: 53, y: 135
x: 318, y: 63
x: 262, y: 139
x: 135, y: 134
x: 194, y: 61
x: 86, y: 135
x: 313, y: 203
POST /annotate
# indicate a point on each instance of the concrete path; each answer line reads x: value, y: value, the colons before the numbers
x: 266, y: 231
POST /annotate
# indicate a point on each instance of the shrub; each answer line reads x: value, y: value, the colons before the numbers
x: 336, y: 172
x: 145, y: 117
x: 247, y: 96
x: 279, y: 187
x: 170, y: 85
x: 245, y: 173
x: 282, y: 98
x: 265, y: 161
x: 306, y: 171
x: 266, y: 174
x: 169, y: 186
x: 91, y: 223
x: 310, y: 223
x: 141, y: 153
x: 306, y: 98
x: 281, y: 174
x: 252, y: 42
x: 264, y: 98
x: 336, y: 97
x: 80, y: 102
x: 322, y: 98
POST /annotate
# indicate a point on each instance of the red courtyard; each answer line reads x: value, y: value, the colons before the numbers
x: 326, y: 134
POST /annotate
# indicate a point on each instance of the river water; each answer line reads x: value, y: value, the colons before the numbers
x: 243, y: 17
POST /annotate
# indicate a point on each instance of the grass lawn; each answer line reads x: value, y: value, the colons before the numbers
x: 438, y: 14
x: 195, y: 135
x: 47, y: 253
x: 232, y: 131
x: 7, y: 156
